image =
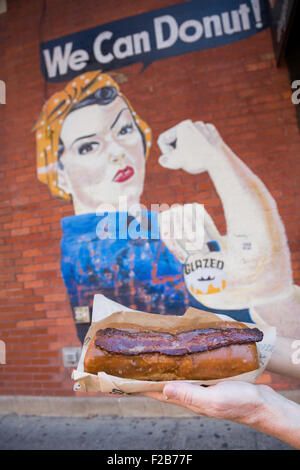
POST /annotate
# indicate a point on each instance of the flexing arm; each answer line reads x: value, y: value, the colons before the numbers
x: 257, y: 255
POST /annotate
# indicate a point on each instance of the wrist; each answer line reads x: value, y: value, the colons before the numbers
x: 261, y: 411
x: 276, y: 416
x: 267, y: 406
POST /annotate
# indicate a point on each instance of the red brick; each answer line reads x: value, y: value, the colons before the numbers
x: 25, y: 324
x: 236, y: 87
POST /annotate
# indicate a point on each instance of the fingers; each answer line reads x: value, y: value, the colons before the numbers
x: 232, y: 400
x: 156, y: 395
x: 170, y: 161
x: 168, y: 143
x: 203, y: 129
x: 186, y: 394
x: 167, y: 140
x: 188, y: 146
x: 209, y: 131
x: 161, y: 397
x: 213, y: 132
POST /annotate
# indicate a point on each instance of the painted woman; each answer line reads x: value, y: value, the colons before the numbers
x: 92, y: 149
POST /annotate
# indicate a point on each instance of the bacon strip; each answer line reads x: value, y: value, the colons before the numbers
x: 133, y: 342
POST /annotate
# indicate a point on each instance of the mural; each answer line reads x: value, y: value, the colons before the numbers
x: 91, y: 149
x: 253, y: 267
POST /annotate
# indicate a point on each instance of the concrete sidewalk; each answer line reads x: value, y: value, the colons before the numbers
x: 120, y: 423
x: 121, y: 433
x: 126, y: 406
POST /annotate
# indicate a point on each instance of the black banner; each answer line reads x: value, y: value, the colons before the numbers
x: 152, y: 36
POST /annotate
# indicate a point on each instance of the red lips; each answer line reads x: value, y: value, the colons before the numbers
x: 123, y: 175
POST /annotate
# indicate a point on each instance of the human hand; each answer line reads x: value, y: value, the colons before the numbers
x: 232, y: 400
x: 189, y: 146
x: 257, y: 406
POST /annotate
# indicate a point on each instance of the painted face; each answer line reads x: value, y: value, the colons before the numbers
x: 204, y: 275
x: 103, y: 156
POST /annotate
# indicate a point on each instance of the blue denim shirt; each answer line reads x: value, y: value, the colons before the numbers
x: 140, y: 273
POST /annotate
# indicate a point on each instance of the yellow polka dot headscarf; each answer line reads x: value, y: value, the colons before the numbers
x: 56, y: 109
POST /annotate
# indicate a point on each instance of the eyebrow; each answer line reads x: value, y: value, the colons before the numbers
x: 83, y: 137
x: 115, y: 121
x: 93, y: 135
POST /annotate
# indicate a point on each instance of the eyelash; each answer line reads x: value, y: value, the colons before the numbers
x: 84, y: 146
x: 125, y: 128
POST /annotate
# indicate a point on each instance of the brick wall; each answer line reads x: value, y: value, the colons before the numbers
x: 237, y: 87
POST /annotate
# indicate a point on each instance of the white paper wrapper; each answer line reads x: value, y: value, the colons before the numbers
x: 106, y: 310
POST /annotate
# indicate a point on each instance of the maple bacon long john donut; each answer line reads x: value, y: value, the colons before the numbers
x: 199, y: 354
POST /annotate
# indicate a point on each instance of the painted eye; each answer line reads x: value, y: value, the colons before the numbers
x: 88, y: 147
x: 127, y: 129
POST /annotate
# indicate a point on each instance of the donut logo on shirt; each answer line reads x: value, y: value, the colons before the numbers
x: 204, y: 275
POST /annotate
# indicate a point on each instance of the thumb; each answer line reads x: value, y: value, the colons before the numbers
x: 169, y: 161
x: 186, y: 394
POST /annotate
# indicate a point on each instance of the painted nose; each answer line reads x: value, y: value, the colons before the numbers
x: 116, y: 158
x: 115, y: 153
